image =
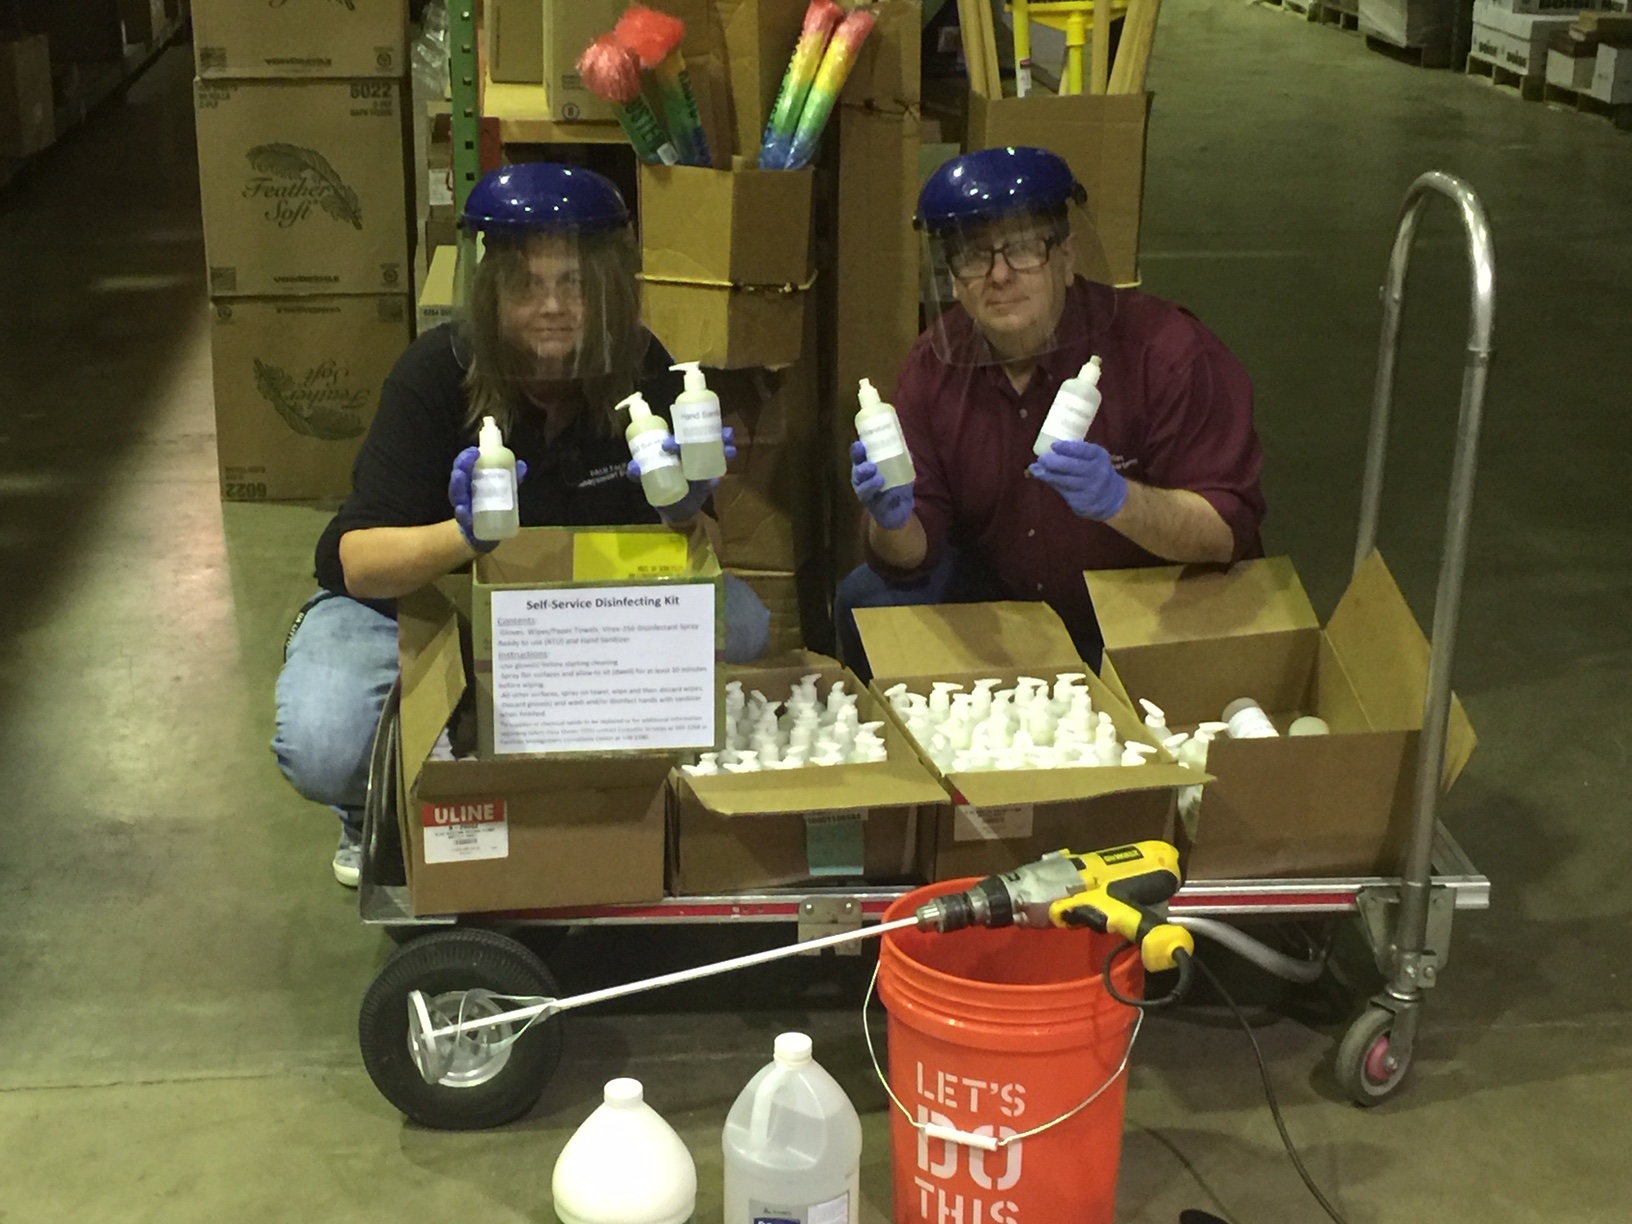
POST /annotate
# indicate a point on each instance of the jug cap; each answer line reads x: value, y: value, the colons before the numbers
x: 793, y: 1049
x: 624, y: 1092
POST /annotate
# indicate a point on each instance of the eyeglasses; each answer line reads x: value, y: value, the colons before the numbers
x: 1021, y: 255
x: 565, y: 288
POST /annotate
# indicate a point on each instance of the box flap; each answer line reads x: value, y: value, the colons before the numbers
x: 1143, y: 607
x: 433, y: 671
x: 932, y: 640
x: 1012, y: 787
x: 520, y: 775
x: 1385, y: 655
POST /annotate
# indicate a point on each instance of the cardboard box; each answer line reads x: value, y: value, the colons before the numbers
x: 304, y: 187
x: 872, y: 822
x: 519, y: 833
x: 1568, y: 70
x: 1193, y: 640
x: 598, y: 640
x: 1409, y: 23
x: 765, y: 507
x: 1102, y: 138
x: 1516, y: 41
x: 301, y: 38
x: 1000, y: 819
x: 27, y: 121
x: 436, y: 297
x: 569, y: 27
x: 515, y: 41
x: 1612, y: 74
x: 297, y: 381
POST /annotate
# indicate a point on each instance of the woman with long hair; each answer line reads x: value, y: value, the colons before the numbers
x: 550, y: 343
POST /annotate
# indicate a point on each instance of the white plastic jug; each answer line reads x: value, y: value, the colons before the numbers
x: 792, y: 1145
x: 624, y: 1165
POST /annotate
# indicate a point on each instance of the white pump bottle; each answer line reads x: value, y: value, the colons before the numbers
x: 697, y: 426
x: 1076, y: 404
x: 660, y: 474
x: 493, y: 511
x: 880, y: 432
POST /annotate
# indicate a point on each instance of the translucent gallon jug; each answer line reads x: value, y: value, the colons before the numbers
x: 792, y: 1145
x: 624, y: 1165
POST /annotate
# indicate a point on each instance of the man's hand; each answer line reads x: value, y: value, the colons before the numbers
x: 459, y: 496
x: 691, y: 505
x: 1082, y: 474
x: 891, y: 509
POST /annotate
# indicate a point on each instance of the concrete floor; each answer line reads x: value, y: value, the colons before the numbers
x: 179, y: 975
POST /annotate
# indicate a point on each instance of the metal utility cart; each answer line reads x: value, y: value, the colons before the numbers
x: 466, y: 968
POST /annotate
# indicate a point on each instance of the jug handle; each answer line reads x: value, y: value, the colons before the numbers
x: 759, y: 1119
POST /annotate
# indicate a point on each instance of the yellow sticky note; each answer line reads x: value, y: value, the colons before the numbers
x: 607, y: 556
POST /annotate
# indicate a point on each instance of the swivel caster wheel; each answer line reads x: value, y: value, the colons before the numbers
x: 1367, y: 1065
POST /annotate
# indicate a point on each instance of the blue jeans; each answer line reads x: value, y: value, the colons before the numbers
x: 338, y: 668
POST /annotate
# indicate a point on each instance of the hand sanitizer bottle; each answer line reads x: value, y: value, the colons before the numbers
x: 494, y: 515
x: 660, y: 474
x: 697, y: 426
x: 880, y: 432
x: 1076, y: 404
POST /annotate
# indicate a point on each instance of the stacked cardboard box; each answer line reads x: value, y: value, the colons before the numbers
x: 1592, y: 55
x: 27, y: 123
x: 1424, y: 26
x: 301, y: 136
x: 1514, y: 34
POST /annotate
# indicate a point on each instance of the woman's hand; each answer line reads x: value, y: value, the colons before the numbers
x: 461, y: 492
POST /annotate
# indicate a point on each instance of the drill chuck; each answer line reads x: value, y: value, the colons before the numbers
x: 987, y: 904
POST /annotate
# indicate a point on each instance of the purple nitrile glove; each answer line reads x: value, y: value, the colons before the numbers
x: 1083, y: 475
x: 891, y: 509
x: 691, y: 505
x: 459, y: 495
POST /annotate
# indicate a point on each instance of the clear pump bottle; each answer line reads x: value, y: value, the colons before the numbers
x: 660, y: 476
x: 696, y: 415
x: 493, y: 510
x: 1075, y: 405
x: 880, y: 432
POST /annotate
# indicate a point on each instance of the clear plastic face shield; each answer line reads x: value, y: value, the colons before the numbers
x: 550, y: 306
x: 994, y: 288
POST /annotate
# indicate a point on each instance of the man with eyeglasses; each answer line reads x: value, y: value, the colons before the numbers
x: 1168, y: 474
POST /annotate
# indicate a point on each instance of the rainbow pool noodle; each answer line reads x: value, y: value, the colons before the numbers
x: 820, y: 19
x: 837, y: 62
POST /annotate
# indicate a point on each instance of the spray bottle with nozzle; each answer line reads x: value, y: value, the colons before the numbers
x: 697, y: 426
x: 880, y: 432
x: 493, y: 511
x: 1075, y: 405
x: 660, y: 476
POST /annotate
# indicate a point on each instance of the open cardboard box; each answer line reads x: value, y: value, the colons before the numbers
x: 617, y: 651
x: 873, y: 821
x: 1194, y: 639
x: 519, y: 833
x: 1001, y: 819
x: 725, y: 262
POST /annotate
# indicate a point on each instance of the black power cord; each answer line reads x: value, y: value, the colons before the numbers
x: 1186, y: 964
x: 1269, y: 1094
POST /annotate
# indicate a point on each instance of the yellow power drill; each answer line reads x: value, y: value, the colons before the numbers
x: 1113, y: 891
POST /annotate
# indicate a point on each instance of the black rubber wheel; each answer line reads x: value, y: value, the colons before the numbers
x: 488, y: 1082
x: 1367, y: 1068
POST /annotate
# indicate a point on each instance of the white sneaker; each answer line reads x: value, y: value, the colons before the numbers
x: 348, y: 856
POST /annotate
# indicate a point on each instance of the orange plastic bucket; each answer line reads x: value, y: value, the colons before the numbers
x: 994, y: 1033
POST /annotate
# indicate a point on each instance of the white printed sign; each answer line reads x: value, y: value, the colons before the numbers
x: 598, y: 669
x: 970, y: 823
x: 465, y: 832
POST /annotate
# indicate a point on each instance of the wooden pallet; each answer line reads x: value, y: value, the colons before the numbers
x: 1342, y: 16
x: 1527, y: 87
x: 1307, y: 9
x: 1417, y: 57
x: 1618, y: 113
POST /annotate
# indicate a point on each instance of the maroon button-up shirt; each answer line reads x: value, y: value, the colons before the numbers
x: 1175, y: 413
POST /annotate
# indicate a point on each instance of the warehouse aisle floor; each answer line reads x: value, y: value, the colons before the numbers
x: 179, y: 974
